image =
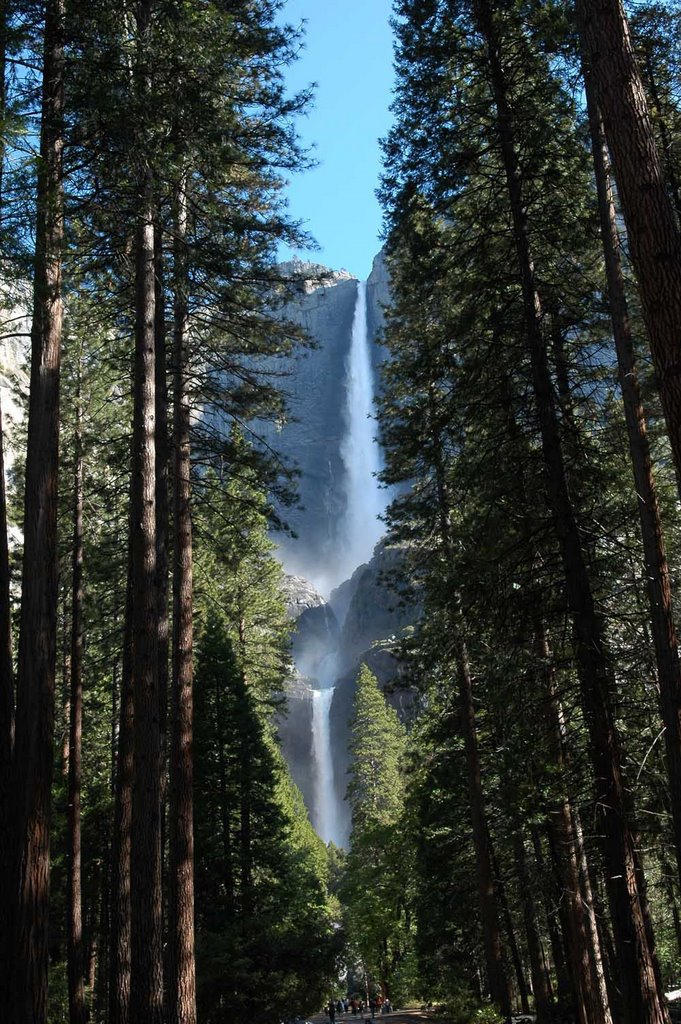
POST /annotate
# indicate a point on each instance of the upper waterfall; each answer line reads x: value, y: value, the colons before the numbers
x: 360, y: 453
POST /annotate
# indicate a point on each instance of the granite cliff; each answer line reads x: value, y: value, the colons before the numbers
x: 311, y: 439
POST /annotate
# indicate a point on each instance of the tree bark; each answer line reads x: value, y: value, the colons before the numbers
x: 656, y: 565
x: 120, y: 943
x: 146, y: 863
x: 652, y: 227
x: 6, y: 668
x: 183, y: 968
x: 74, y: 916
x: 38, y: 626
x: 146, y: 983
x: 644, y: 1000
x: 162, y: 507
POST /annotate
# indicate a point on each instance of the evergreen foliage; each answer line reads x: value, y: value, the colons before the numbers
x: 376, y: 881
x: 267, y: 946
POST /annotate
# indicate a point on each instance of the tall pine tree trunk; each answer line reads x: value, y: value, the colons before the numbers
x: 146, y: 983
x: 644, y: 1000
x: 652, y: 227
x: 656, y: 566
x: 6, y: 670
x: 38, y: 627
x: 74, y: 914
x: 120, y: 942
x: 182, y: 980
x: 162, y: 507
x: 146, y: 862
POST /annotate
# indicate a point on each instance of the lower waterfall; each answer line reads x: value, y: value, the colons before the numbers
x: 326, y: 821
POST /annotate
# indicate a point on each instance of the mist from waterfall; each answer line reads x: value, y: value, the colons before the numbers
x: 365, y: 501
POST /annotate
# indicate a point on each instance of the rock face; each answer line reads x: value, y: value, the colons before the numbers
x: 316, y: 631
x: 370, y: 608
x: 311, y: 439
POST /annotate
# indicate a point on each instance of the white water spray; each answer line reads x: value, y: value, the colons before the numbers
x: 326, y: 822
x: 359, y: 451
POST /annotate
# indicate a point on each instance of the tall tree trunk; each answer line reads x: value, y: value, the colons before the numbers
x: 146, y: 863
x: 39, y: 591
x: 644, y: 999
x: 6, y: 669
x: 162, y: 508
x: 183, y: 970
x: 656, y: 566
x: 6, y: 747
x: 652, y: 227
x: 589, y: 906
x: 120, y: 943
x: 146, y: 983
x: 74, y: 916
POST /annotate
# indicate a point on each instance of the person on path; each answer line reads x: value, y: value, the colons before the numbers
x: 331, y: 1010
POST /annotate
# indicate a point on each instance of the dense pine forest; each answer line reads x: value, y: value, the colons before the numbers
x: 515, y: 840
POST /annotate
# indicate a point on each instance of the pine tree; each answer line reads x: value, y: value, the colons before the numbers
x: 376, y: 878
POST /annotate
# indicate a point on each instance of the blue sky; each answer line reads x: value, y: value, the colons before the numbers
x: 348, y: 53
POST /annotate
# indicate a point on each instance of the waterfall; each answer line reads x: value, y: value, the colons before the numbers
x: 359, y: 451
x: 360, y: 530
x: 326, y: 801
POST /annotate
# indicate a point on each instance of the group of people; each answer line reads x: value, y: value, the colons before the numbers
x: 376, y: 1004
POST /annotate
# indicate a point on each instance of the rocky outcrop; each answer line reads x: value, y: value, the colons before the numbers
x: 316, y: 630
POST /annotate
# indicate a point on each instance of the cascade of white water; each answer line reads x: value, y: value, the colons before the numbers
x: 360, y: 453
x: 326, y: 821
x: 360, y: 531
